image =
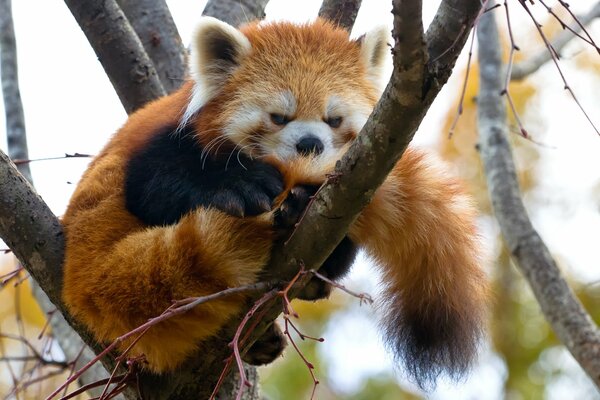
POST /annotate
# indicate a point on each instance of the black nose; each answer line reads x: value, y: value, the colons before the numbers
x: 309, y: 144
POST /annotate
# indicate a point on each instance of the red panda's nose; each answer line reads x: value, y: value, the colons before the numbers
x: 309, y: 144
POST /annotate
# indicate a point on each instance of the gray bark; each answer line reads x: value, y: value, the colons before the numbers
x: 68, y: 339
x: 380, y: 144
x: 119, y: 50
x: 415, y: 84
x: 564, y: 312
x: 341, y: 12
x: 236, y: 12
x: 13, y: 106
x: 154, y: 25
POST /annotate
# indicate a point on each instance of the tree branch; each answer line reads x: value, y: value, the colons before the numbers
x: 378, y: 147
x: 35, y: 236
x: 30, y: 229
x: 154, y: 25
x: 561, y: 308
x: 411, y: 91
x: 119, y: 50
x: 13, y: 106
x: 341, y: 12
x: 530, y: 65
x: 376, y: 150
x: 236, y: 12
x: 446, y: 36
x: 70, y: 342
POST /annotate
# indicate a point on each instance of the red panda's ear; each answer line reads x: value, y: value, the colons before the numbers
x: 374, y: 50
x: 217, y: 51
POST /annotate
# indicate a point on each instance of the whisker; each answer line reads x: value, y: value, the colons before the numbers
x: 251, y: 145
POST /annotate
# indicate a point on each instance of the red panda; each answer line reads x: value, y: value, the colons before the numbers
x: 190, y: 194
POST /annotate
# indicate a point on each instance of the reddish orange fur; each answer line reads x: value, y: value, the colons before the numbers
x: 117, y: 267
x: 119, y: 273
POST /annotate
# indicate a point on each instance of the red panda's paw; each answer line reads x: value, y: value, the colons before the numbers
x: 292, y: 208
x: 267, y: 348
x: 248, y: 191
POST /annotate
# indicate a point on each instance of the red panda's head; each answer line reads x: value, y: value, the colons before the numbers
x: 285, y: 91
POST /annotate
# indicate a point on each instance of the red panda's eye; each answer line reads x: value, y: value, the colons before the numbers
x: 334, y: 122
x: 279, y: 119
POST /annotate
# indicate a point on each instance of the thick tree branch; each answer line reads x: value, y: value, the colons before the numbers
x: 156, y: 29
x: 446, y: 36
x: 70, y: 342
x: 13, y: 106
x: 377, y: 149
x: 340, y: 12
x: 30, y: 229
x: 35, y: 236
x: 236, y: 12
x: 119, y: 50
x: 384, y: 138
x: 561, y: 308
x: 381, y: 143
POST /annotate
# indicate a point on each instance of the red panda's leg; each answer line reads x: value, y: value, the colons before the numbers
x: 117, y: 288
x: 420, y: 230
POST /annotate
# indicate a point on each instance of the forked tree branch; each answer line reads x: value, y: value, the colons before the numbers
x: 420, y: 71
x: 119, y: 50
x: 154, y: 26
x: 523, y: 69
x: 561, y: 308
x: 341, y: 12
x: 380, y: 144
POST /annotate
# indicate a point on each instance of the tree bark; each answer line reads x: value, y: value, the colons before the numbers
x: 13, y: 106
x: 119, y: 50
x: 420, y: 70
x: 236, y: 12
x: 154, y: 25
x: 70, y: 342
x: 341, y: 12
x: 564, y: 312
x: 381, y: 142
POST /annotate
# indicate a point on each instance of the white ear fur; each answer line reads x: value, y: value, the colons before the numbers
x: 217, y: 50
x: 374, y: 52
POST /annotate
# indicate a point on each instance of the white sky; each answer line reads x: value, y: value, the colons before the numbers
x: 70, y: 106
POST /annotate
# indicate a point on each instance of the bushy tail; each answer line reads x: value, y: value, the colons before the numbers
x: 420, y: 229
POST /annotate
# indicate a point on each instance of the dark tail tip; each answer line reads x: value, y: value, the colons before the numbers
x: 433, y: 340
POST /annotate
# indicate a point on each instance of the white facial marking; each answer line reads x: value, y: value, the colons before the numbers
x: 243, y: 121
x: 297, y: 130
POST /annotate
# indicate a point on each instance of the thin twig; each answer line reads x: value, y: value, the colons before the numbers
x: 177, y: 308
x: 531, y: 64
x: 460, y: 109
x: 555, y: 60
x: 511, y: 57
x: 74, y: 155
x: 363, y: 297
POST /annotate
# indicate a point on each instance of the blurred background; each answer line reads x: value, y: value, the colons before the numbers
x: 70, y: 107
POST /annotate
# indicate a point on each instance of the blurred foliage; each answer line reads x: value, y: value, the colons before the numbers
x: 20, y: 316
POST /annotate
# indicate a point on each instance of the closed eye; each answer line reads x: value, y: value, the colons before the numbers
x: 280, y: 119
x: 334, y: 122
